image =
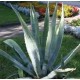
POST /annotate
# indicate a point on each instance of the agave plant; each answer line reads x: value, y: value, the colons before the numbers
x: 42, y: 50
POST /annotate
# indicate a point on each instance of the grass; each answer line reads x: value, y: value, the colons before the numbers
x: 69, y: 43
x: 7, y: 16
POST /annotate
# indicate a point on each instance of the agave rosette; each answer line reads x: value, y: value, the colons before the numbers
x: 42, y: 50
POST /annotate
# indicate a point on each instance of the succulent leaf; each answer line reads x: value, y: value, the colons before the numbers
x: 69, y: 56
x: 34, y: 24
x: 45, y: 33
x: 58, y: 40
x: 31, y: 45
x: 18, y: 64
x: 50, y: 76
x: 50, y: 37
x: 65, y: 70
x: 17, y: 48
x: 42, y: 54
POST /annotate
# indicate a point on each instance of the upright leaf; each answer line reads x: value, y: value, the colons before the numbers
x: 31, y: 45
x: 44, y: 35
x: 50, y: 76
x: 35, y: 28
x: 34, y: 25
x: 51, y: 37
x: 59, y: 35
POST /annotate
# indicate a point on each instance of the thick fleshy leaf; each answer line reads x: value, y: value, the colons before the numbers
x: 50, y: 76
x: 44, y: 69
x: 34, y: 25
x: 21, y: 66
x: 35, y: 28
x: 51, y: 37
x: 66, y: 59
x: 54, y: 73
x: 65, y: 70
x: 33, y: 54
x: 44, y: 35
x: 69, y: 56
x: 29, y: 67
x: 58, y: 40
x: 17, y: 48
x: 31, y: 45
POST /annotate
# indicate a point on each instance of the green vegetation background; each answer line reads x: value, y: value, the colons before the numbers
x: 69, y: 43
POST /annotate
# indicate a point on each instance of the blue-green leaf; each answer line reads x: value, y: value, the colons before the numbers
x: 70, y: 56
x: 31, y: 45
x: 18, y: 64
x: 17, y: 48
x: 51, y: 37
x: 34, y: 25
x: 58, y: 40
x: 45, y: 33
x: 51, y: 75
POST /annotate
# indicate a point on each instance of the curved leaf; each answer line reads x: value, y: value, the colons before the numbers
x: 17, y: 48
x: 69, y: 56
x: 6, y: 55
x: 66, y: 60
x: 65, y: 70
x: 31, y: 45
